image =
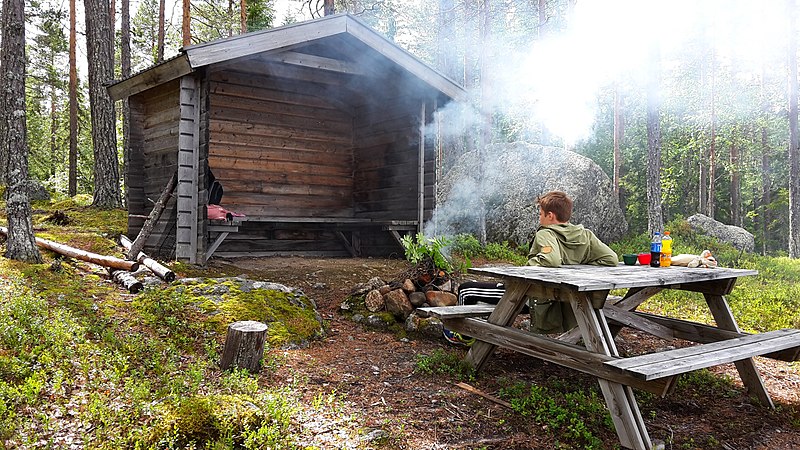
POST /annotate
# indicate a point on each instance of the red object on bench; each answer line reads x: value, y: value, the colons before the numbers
x: 216, y: 212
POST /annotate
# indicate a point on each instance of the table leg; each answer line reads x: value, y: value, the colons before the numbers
x: 619, y: 398
x: 507, y: 309
x: 746, y: 367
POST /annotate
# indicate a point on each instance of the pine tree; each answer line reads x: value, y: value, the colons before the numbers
x: 21, y: 243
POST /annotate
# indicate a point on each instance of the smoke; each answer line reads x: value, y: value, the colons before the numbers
x: 555, y: 81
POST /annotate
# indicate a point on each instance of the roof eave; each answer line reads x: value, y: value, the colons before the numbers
x: 162, y: 73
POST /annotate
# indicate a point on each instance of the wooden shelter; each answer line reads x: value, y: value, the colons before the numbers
x: 322, y: 134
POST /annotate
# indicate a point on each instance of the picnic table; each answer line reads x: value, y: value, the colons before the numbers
x: 600, y: 317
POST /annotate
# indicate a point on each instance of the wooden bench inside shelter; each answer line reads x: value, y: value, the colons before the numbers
x: 347, y: 229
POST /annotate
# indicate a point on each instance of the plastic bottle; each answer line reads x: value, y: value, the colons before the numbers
x: 666, y: 250
x: 655, y: 250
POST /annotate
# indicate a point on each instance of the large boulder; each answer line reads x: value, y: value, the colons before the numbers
x: 513, y: 176
x: 736, y: 236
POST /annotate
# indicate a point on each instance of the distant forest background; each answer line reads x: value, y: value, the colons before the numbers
x: 688, y: 106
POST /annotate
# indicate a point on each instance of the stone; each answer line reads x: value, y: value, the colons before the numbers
x: 736, y: 236
x: 408, y: 286
x: 363, y: 288
x: 37, y: 191
x: 417, y: 299
x: 514, y: 174
x: 398, y: 304
x: 427, y: 326
x: 374, y: 301
x: 385, y: 289
x: 441, y: 298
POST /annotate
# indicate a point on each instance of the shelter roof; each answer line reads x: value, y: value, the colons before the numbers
x: 340, y: 44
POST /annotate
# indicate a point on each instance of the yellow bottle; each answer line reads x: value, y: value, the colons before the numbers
x: 666, y: 250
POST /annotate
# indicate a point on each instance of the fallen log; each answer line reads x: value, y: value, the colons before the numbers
x: 72, y: 252
x: 155, y: 214
x: 127, y: 280
x: 157, y: 268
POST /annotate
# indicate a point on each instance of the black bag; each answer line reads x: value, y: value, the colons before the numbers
x: 214, y: 188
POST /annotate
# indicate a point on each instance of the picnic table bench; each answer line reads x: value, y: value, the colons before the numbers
x: 600, y: 317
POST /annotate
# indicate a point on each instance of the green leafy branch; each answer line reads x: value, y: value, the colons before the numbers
x: 419, y: 248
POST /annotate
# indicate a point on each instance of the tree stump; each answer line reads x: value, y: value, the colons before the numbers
x: 244, y: 346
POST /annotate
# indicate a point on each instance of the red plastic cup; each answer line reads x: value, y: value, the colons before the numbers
x: 644, y: 259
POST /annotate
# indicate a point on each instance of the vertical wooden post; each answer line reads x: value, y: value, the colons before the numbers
x: 188, y: 167
x: 244, y: 346
x: 421, y: 187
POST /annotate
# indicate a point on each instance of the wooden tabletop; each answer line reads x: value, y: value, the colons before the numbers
x: 600, y: 278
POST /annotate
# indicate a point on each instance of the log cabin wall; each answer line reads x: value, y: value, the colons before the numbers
x: 280, y: 153
x: 155, y: 114
x: 277, y: 151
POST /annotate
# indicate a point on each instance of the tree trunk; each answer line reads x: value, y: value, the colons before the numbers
x: 160, y: 43
x: 21, y: 243
x: 186, y: 29
x: 99, y: 46
x: 764, y: 214
x: 243, y: 15
x: 794, y: 138
x: 83, y: 255
x: 53, y: 130
x: 72, y: 188
x: 541, y: 32
x: 712, y: 147
x: 244, y: 346
x: 736, y: 186
x: 125, y: 65
x: 655, y: 219
x: 766, y: 197
x: 329, y: 8
x: 126, y: 280
x: 155, y: 214
x: 619, y: 135
x: 157, y: 268
x: 4, y: 106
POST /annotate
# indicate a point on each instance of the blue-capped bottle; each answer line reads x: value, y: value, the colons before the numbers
x: 655, y: 250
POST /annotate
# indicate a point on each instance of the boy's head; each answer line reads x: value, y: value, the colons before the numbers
x: 557, y: 203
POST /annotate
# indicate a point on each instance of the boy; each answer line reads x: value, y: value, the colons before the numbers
x: 557, y: 243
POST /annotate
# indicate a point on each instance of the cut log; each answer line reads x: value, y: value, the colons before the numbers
x: 157, y: 268
x: 127, y: 280
x: 155, y: 214
x: 244, y: 346
x: 72, y: 252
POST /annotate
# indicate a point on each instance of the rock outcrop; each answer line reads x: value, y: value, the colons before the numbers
x: 736, y: 236
x: 513, y: 175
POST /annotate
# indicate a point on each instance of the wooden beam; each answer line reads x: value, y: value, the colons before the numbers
x: 275, y: 38
x: 551, y: 350
x: 316, y: 62
x: 421, y: 168
x: 160, y: 74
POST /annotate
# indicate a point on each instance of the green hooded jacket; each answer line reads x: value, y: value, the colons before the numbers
x: 554, y: 246
x: 565, y: 243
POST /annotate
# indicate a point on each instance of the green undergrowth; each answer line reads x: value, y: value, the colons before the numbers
x: 448, y: 363
x: 572, y: 414
x: 768, y: 301
x: 207, y: 305
x: 80, y: 357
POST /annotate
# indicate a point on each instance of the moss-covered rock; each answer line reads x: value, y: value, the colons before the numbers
x: 292, y: 317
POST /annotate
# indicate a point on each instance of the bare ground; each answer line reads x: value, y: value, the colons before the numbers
x: 369, y: 379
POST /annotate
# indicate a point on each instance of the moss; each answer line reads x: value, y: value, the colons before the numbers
x: 223, y: 421
x: 292, y: 318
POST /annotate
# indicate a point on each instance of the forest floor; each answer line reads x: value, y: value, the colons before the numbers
x: 374, y: 379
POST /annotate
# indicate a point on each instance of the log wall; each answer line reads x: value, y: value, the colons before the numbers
x: 155, y: 116
x: 277, y: 151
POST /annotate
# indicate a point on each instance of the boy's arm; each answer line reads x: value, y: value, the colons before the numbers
x: 545, y: 251
x: 602, y: 253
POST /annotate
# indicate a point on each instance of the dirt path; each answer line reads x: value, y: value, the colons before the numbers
x: 371, y: 375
